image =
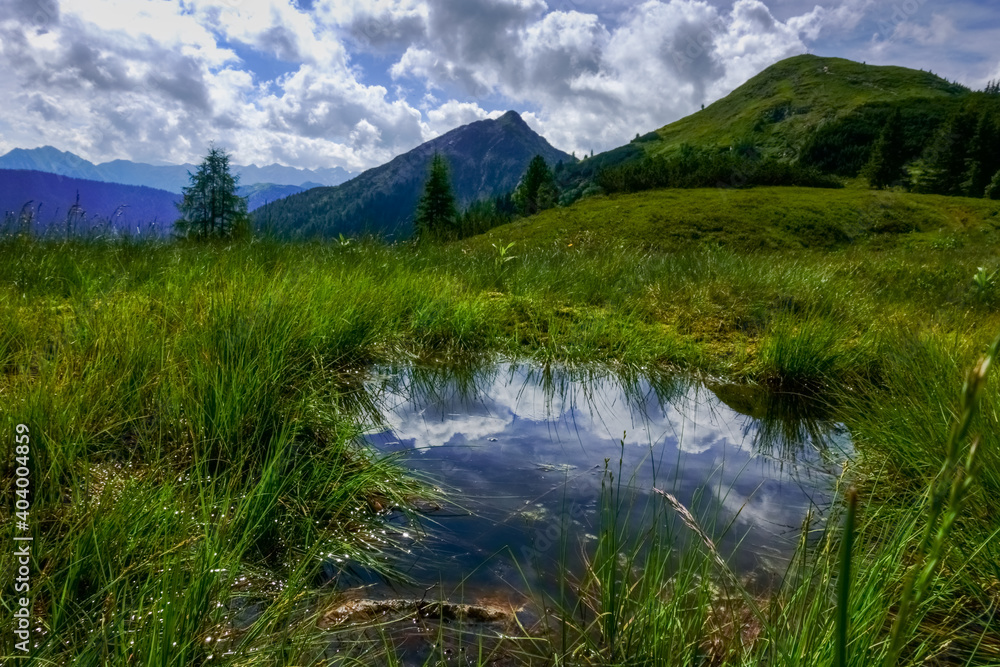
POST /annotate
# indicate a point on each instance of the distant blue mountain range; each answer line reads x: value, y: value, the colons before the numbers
x: 259, y: 194
x: 45, y: 203
x: 163, y: 177
x: 52, y: 201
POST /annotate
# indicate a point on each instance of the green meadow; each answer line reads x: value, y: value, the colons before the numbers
x: 195, y: 450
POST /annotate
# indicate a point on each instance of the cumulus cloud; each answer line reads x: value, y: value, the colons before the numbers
x: 453, y: 114
x: 354, y: 82
x: 593, y: 85
x: 940, y: 30
x: 159, y: 80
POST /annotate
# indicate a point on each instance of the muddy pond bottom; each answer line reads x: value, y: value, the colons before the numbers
x: 530, y: 459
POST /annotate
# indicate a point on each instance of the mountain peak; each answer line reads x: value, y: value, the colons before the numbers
x: 50, y: 160
x: 512, y: 118
x: 43, y: 152
x: 486, y: 158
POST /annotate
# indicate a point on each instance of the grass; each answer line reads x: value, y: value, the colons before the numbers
x: 750, y: 220
x: 783, y: 105
x: 195, y: 461
x: 185, y: 439
x: 899, y: 595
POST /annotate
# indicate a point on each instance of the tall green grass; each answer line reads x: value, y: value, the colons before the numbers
x: 186, y: 445
x: 193, y: 443
x: 892, y: 589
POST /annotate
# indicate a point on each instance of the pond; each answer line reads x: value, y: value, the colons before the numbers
x: 522, y: 453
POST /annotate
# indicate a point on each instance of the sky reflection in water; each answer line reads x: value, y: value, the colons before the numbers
x: 522, y: 451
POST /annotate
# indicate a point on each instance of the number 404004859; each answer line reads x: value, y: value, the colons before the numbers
x: 22, y: 450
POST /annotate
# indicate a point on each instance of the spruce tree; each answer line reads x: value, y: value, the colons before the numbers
x: 210, y: 207
x: 946, y: 158
x: 885, y: 166
x: 982, y: 161
x: 993, y: 189
x: 537, y: 189
x: 436, y: 215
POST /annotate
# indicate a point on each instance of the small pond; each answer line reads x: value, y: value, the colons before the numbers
x: 521, y: 452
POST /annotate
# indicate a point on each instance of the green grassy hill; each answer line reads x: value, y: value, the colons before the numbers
x: 827, y: 111
x: 758, y: 218
x: 779, y: 108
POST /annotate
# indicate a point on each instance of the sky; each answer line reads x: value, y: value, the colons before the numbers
x: 352, y: 83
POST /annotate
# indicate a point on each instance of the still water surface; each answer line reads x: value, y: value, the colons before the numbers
x: 522, y: 452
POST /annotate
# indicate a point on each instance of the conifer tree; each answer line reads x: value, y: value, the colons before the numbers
x: 210, y: 207
x: 537, y: 189
x: 993, y: 189
x: 982, y: 160
x: 889, y: 154
x: 946, y: 159
x: 436, y: 215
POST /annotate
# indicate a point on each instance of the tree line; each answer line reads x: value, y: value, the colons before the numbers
x: 961, y: 159
x: 921, y: 149
x: 211, y: 208
x: 437, y: 216
x: 742, y: 165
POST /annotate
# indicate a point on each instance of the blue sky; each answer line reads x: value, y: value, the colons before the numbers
x: 351, y: 83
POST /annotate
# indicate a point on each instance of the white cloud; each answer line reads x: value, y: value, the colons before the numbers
x: 599, y: 409
x: 844, y: 16
x: 453, y: 114
x: 158, y: 80
x: 593, y: 86
x: 368, y: 79
x: 995, y: 76
x: 940, y: 30
x: 754, y: 40
x: 428, y: 433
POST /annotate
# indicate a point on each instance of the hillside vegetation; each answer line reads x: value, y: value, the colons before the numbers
x: 819, y: 112
x: 485, y: 159
x: 757, y: 218
x: 41, y: 203
x: 781, y: 107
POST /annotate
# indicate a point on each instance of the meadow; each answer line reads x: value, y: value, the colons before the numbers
x: 195, y: 452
